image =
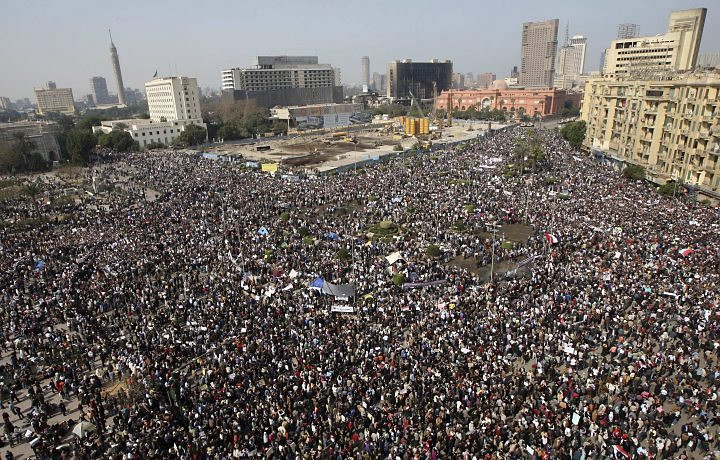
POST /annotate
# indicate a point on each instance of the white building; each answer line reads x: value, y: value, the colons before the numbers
x: 570, y: 62
x: 174, y: 103
x: 275, y: 72
x: 677, y: 49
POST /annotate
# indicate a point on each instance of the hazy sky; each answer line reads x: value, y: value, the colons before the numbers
x: 67, y: 41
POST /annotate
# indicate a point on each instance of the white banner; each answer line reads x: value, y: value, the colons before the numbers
x: 342, y: 309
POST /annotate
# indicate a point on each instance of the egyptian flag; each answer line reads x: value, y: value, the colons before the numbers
x: 619, y: 452
x: 551, y: 239
x: 686, y: 252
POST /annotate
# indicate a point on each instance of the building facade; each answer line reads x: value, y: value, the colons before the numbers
x: 321, y: 116
x: 570, y: 62
x: 419, y: 78
x: 54, y: 99
x: 99, y: 90
x: 628, y: 30
x: 648, y: 57
x: 485, y: 79
x: 283, y: 80
x: 41, y: 134
x: 538, y: 53
x: 173, y: 98
x: 671, y: 126
x: 531, y: 102
x: 379, y: 83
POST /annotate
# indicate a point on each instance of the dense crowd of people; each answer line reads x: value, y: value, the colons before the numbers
x: 185, y: 326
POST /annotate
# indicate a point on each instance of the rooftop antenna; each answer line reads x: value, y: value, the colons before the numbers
x: 110, y: 32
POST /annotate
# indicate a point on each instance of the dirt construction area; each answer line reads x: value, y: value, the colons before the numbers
x: 327, y: 151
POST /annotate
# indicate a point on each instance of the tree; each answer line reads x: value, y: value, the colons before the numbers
x: 230, y: 132
x: 634, y: 172
x: 192, y: 135
x: 119, y: 141
x: 667, y: 189
x: 80, y: 144
x: 88, y: 122
x: 574, y: 132
x: 279, y: 127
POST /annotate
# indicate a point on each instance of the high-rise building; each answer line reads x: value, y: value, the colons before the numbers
x: 118, y: 74
x: 485, y: 79
x: 378, y: 83
x: 709, y: 60
x: 514, y: 72
x: 570, y: 62
x: 537, y: 55
x: 54, y: 99
x: 627, y: 30
x: 669, y: 126
x: 458, y: 81
x: 677, y: 49
x: 337, y: 76
x: 365, y: 70
x: 283, y: 80
x: 5, y: 103
x: 405, y: 77
x: 98, y: 86
x: 469, y: 79
x: 173, y: 98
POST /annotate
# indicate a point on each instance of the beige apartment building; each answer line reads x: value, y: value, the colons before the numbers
x: 54, y: 99
x: 677, y: 49
x: 538, y: 53
x: 671, y: 127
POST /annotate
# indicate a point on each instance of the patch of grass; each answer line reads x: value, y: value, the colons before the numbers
x: 308, y: 240
x: 459, y: 226
x: 384, y: 228
x: 459, y: 182
x: 507, y: 245
x: 284, y: 216
x: 4, y: 183
x: 11, y: 192
x: 343, y: 254
x: 550, y: 180
x: 470, y: 208
x: 563, y: 196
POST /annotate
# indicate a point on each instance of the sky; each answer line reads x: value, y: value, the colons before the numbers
x: 67, y: 42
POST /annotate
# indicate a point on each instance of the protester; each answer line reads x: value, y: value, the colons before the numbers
x: 181, y: 325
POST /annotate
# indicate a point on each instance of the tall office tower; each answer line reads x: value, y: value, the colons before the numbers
x: 365, y: 65
x: 628, y: 30
x: 537, y: 55
x: 173, y: 98
x: 118, y: 73
x: 421, y: 79
x: 98, y: 85
x: 570, y: 61
x: 514, y: 72
x: 675, y: 50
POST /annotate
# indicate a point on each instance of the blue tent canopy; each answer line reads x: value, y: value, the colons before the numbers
x: 332, y: 236
x: 317, y: 283
x: 263, y: 231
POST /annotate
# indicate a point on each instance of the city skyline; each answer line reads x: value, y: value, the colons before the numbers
x: 171, y: 48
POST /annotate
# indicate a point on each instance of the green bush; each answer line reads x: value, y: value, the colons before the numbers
x: 550, y: 180
x: 343, y: 254
x: 470, y: 208
x: 398, y: 279
x: 634, y: 172
x: 667, y: 189
x: 507, y: 245
x: 304, y: 232
x: 285, y: 216
x: 459, y: 226
x: 309, y: 240
x: 574, y: 132
x: 433, y: 251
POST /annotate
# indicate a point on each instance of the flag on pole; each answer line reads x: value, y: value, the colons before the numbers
x: 551, y: 239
